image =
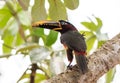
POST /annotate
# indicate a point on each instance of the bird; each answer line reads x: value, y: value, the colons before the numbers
x: 72, y: 40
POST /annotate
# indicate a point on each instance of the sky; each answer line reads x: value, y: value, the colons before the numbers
x: 107, y: 10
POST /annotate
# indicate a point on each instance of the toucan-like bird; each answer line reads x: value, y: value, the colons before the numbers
x: 72, y: 40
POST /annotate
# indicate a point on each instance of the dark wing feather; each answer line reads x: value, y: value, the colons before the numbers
x: 74, y: 40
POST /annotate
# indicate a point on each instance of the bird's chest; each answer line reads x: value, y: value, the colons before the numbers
x: 66, y: 37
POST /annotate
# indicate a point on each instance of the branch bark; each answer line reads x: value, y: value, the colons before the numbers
x: 100, y: 62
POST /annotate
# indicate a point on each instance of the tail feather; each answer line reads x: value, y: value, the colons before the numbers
x: 82, y: 63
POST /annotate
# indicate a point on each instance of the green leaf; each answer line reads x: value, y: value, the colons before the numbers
x: 39, y: 77
x: 57, y: 10
x: 4, y: 16
x: 92, y: 26
x: 99, y: 23
x: 89, y: 25
x: 87, y: 34
x: 90, y: 43
x: 18, y: 40
x: 51, y: 38
x: 38, y: 32
x: 13, y: 26
x: 100, y: 43
x: 8, y: 40
x: 39, y: 11
x: 71, y: 4
x: 110, y: 75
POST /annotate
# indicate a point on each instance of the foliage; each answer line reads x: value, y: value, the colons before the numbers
x: 95, y: 37
x: 17, y: 34
x: 94, y: 33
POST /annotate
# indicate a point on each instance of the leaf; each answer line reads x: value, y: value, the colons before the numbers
x: 39, y: 11
x: 26, y: 48
x: 39, y: 54
x: 89, y: 25
x: 18, y: 40
x: 39, y: 77
x: 99, y: 22
x: 102, y: 37
x: 24, y: 18
x: 4, y: 16
x: 12, y: 26
x: 90, y: 42
x: 8, y: 40
x: 92, y: 26
x: 38, y: 32
x: 71, y: 4
x: 87, y: 34
x: 100, y: 43
x: 51, y: 38
x: 57, y: 10
x: 110, y: 75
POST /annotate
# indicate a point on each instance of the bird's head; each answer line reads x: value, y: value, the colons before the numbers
x: 60, y: 26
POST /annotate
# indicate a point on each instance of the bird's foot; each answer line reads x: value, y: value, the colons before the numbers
x: 69, y: 67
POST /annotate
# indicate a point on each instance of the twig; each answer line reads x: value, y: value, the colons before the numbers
x: 5, y: 55
x: 33, y: 73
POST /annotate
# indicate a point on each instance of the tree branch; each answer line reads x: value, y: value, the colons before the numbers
x: 100, y: 62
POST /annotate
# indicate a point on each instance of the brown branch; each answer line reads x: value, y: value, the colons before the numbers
x: 33, y: 72
x: 100, y: 62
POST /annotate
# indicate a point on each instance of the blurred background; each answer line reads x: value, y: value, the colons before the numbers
x: 23, y: 48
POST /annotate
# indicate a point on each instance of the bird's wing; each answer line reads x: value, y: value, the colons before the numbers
x: 74, y: 40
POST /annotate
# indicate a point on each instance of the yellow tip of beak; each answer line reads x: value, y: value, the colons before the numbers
x: 39, y: 23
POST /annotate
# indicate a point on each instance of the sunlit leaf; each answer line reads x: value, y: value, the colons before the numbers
x: 51, y: 38
x: 4, y: 16
x: 110, y: 75
x: 39, y: 11
x: 25, y: 48
x: 39, y: 77
x: 57, y: 10
x: 99, y: 22
x: 24, y: 18
x: 18, y: 40
x: 13, y: 26
x: 102, y: 36
x: 87, y: 34
x: 100, y: 43
x: 8, y: 40
x: 90, y: 43
x: 71, y: 4
x: 39, y: 54
x: 92, y: 26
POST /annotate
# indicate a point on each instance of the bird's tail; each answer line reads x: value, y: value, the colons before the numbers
x: 82, y: 63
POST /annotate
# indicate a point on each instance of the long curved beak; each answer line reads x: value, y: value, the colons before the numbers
x: 48, y: 24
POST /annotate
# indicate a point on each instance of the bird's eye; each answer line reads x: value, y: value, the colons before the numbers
x: 63, y: 23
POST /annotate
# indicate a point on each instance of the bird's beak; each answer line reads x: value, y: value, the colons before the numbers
x: 48, y: 24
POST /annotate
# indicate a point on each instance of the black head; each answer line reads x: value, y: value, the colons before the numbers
x: 66, y: 26
x: 60, y: 26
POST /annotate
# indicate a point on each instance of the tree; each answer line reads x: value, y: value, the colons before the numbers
x: 16, y: 32
x: 100, y: 62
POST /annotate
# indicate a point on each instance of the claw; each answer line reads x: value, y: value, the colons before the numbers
x: 69, y: 67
